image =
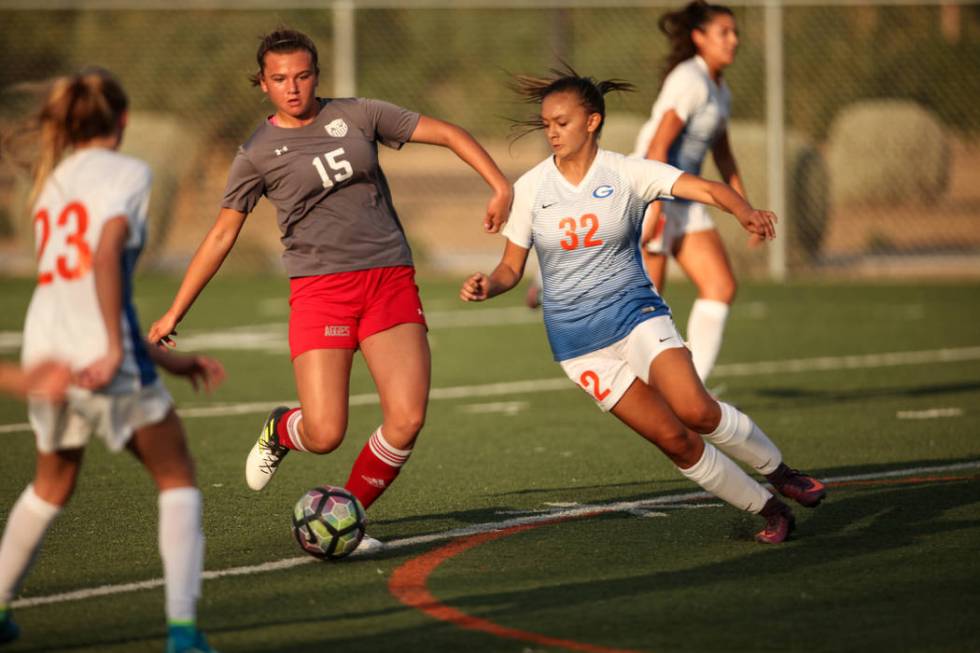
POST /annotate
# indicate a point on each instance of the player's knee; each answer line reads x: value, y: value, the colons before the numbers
x: 404, y: 426
x: 722, y: 290
x: 701, y: 416
x: 56, y: 491
x: 323, y: 438
x: 678, y: 445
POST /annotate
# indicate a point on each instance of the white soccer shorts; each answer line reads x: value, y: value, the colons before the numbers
x: 676, y: 220
x: 113, y: 418
x: 606, y: 374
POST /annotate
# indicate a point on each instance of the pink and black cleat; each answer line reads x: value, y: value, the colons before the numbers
x: 801, y: 488
x: 779, y: 522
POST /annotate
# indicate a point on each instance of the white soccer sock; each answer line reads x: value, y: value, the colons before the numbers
x: 705, y: 326
x: 292, y: 427
x: 739, y: 437
x: 719, y: 475
x: 29, y: 521
x: 182, y: 550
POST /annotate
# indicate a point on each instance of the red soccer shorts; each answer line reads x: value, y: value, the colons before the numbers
x: 338, y: 311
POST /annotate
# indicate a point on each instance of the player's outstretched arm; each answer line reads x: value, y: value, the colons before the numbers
x: 202, y: 371
x: 479, y: 287
x: 47, y: 380
x: 438, y: 132
x: 207, y: 260
x: 759, y: 223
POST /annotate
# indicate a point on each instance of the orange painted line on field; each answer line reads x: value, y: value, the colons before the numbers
x: 409, y: 585
x: 409, y: 582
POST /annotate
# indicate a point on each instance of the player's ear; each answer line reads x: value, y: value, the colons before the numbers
x: 592, y: 124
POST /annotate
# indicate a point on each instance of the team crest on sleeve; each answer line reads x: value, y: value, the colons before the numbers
x: 337, y: 128
x: 603, y: 191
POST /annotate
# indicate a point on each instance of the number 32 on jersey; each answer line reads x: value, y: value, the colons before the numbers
x: 589, y: 221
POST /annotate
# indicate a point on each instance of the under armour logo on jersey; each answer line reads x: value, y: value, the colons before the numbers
x: 603, y: 191
x: 281, y: 150
x: 337, y: 128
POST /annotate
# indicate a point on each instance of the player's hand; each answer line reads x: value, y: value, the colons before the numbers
x: 498, y: 209
x: 47, y: 381
x: 205, y: 372
x: 761, y: 224
x: 100, y: 372
x: 475, y: 289
x: 533, y: 297
x: 162, y: 330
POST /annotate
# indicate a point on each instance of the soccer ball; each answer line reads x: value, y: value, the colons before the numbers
x: 328, y: 522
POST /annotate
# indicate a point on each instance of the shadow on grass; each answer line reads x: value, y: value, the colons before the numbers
x: 789, y: 398
x: 833, y: 586
x: 836, y: 577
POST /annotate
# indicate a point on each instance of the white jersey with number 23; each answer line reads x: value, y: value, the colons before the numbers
x: 64, y: 322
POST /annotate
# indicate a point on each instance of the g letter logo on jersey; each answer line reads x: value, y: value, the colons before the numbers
x: 603, y: 191
x: 337, y: 128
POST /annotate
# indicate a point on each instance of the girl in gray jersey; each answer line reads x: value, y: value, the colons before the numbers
x: 350, y: 268
x: 688, y: 119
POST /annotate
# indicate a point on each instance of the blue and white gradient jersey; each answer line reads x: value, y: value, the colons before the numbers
x: 64, y: 321
x: 587, y: 241
x: 703, y: 105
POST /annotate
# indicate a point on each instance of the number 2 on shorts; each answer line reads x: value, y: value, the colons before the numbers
x: 598, y: 393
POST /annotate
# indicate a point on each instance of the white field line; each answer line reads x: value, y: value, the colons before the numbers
x: 584, y: 510
x: 274, y: 336
x: 931, y: 413
x: 824, y: 363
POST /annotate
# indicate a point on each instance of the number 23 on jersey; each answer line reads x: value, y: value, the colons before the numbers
x: 71, y: 225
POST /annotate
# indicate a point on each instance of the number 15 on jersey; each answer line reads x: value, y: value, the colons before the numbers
x: 341, y: 166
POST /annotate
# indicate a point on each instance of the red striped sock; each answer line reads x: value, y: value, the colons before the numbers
x: 287, y: 428
x: 375, y: 468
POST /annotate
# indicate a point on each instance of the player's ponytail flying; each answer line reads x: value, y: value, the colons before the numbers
x: 678, y: 25
x: 533, y: 90
x: 78, y: 108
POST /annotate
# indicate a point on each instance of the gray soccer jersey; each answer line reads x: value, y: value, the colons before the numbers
x: 334, y: 207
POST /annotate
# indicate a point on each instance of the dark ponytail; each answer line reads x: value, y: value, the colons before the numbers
x: 678, y: 25
x: 533, y: 90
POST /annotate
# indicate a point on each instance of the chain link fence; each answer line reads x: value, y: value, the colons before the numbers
x: 881, y: 126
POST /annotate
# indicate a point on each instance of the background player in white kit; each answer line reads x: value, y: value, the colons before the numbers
x: 89, y: 213
x: 688, y: 119
x: 582, y: 209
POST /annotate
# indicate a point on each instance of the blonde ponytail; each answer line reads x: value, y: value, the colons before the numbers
x: 77, y: 109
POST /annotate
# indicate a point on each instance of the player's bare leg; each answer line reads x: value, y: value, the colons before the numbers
x: 318, y: 426
x: 323, y: 384
x: 400, y: 363
x: 703, y: 258
x: 162, y: 449
x: 673, y: 374
x: 656, y: 267
x: 645, y: 411
x: 28, y: 521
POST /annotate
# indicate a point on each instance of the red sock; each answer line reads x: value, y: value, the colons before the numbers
x: 287, y: 428
x: 375, y: 468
